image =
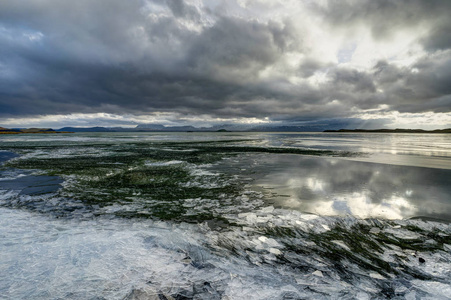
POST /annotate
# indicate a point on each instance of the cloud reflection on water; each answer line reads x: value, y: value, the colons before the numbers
x: 327, y: 186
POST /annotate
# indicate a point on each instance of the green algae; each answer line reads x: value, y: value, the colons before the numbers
x: 107, y: 173
x: 361, y: 248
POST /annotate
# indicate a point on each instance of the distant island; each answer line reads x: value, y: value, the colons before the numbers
x: 4, y: 130
x: 397, y: 130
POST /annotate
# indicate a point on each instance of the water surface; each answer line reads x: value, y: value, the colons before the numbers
x: 225, y: 216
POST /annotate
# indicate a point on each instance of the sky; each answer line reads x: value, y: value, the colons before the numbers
x: 357, y: 63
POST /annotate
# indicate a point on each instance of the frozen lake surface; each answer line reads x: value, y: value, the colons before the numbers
x: 225, y: 216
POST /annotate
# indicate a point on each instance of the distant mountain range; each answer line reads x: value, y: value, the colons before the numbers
x: 163, y: 128
x: 4, y: 130
x: 240, y: 127
x: 216, y: 128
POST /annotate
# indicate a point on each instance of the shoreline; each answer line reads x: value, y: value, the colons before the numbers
x: 447, y: 130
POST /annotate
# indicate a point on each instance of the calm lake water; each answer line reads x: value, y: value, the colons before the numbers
x: 225, y: 216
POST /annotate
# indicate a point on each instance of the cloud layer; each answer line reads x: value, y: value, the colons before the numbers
x: 280, y: 60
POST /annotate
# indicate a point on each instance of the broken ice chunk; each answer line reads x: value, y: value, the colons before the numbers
x: 318, y: 273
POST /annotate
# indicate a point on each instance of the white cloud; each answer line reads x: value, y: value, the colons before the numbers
x: 124, y: 120
x: 395, y: 119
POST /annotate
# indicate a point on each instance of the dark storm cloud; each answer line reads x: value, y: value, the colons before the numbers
x: 352, y: 80
x: 439, y: 37
x: 168, y: 55
x: 180, y: 9
x: 426, y: 87
x: 99, y: 67
x: 238, y: 46
x: 309, y: 66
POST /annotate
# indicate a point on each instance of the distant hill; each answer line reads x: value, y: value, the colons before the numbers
x: 36, y: 130
x: 86, y: 129
x: 216, y: 128
x: 8, y: 130
x: 398, y: 130
x: 4, y: 130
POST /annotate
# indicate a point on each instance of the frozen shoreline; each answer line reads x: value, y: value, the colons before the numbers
x: 143, y: 218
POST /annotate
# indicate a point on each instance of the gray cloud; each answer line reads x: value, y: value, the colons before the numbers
x: 439, y: 37
x: 309, y: 66
x: 424, y: 88
x: 352, y: 80
x: 180, y: 9
x: 143, y: 56
x: 384, y: 17
x: 238, y: 47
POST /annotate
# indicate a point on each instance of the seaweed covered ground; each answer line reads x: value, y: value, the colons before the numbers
x: 186, y: 219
